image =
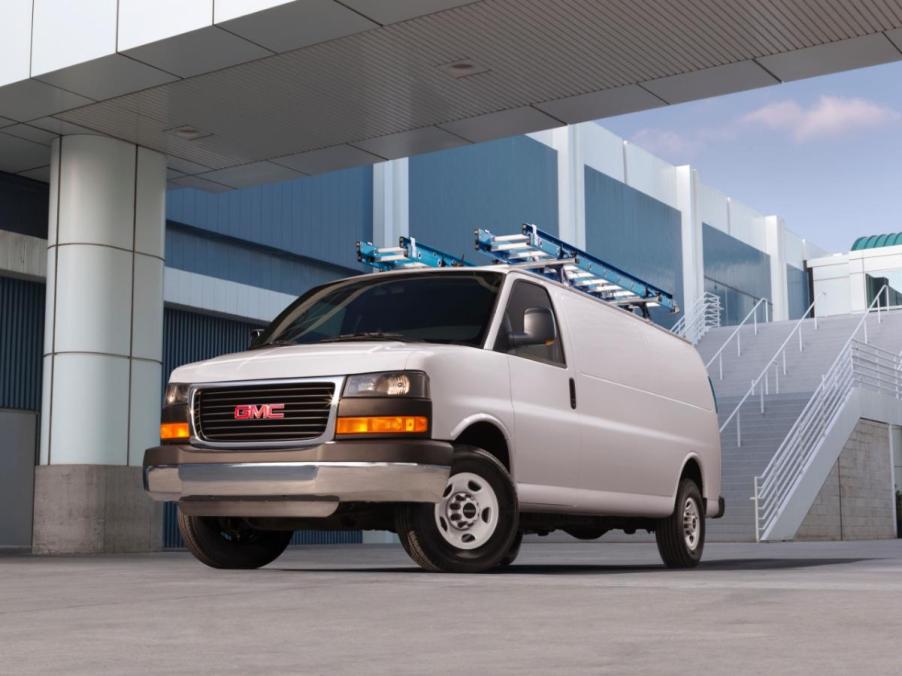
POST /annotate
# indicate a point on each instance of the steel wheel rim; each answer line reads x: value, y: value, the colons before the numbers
x: 467, y: 515
x: 691, y: 524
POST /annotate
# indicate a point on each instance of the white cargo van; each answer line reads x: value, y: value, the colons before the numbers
x: 459, y: 408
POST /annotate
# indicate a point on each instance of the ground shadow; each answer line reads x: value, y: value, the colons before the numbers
x: 613, y: 568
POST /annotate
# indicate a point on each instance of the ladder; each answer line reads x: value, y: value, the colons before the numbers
x: 538, y: 252
x: 556, y: 259
x: 408, y: 254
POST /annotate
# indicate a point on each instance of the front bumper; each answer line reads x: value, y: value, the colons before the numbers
x: 303, y: 482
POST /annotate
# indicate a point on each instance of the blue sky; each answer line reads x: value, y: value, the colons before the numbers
x: 824, y: 153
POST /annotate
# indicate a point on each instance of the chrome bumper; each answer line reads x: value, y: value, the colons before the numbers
x: 328, y: 482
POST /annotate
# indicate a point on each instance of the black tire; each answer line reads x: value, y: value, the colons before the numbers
x: 230, y: 542
x: 670, y: 534
x: 419, y: 531
x: 513, y: 552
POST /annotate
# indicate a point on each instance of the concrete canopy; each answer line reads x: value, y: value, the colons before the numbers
x: 239, y: 92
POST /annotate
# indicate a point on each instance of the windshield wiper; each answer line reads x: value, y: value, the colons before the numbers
x: 367, y: 335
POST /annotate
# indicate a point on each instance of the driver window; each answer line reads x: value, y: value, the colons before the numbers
x: 526, y: 295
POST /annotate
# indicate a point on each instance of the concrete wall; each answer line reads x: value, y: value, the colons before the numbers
x: 856, y: 501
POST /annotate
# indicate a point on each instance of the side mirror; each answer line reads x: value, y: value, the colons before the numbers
x: 255, y: 336
x: 538, y: 328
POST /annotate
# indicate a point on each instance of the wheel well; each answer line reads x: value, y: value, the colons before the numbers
x: 692, y: 470
x: 489, y: 438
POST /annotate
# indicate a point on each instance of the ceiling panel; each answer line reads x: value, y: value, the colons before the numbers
x: 413, y: 142
x: 197, y: 52
x: 17, y: 154
x: 328, y: 159
x: 33, y: 134
x: 293, y: 25
x: 823, y: 59
x: 39, y: 174
x: 502, y: 123
x: 254, y: 173
x: 393, y: 11
x: 389, y: 90
x: 31, y: 99
x: 198, y: 183
x: 716, y: 81
x: 107, y: 77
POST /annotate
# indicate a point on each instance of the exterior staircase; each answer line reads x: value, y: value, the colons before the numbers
x: 761, y: 434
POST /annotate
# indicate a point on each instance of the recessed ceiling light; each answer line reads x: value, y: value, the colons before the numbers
x: 463, y: 68
x: 188, y: 133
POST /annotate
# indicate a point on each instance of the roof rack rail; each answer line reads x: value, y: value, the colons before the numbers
x: 533, y: 250
x: 554, y: 258
x: 408, y: 254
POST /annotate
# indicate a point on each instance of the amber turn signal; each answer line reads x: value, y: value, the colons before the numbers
x: 169, y: 431
x: 387, y: 424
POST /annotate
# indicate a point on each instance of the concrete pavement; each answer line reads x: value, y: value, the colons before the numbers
x: 580, y: 608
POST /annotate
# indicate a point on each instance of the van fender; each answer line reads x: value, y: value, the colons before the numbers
x: 459, y: 428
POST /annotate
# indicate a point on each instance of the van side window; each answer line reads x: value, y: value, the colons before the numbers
x: 527, y: 295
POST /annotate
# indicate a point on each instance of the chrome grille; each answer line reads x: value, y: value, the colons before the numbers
x: 307, y: 406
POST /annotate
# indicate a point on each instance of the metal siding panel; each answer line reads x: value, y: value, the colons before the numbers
x: 319, y: 217
x: 498, y: 185
x: 21, y: 343
x: 214, y: 255
x: 735, y: 271
x: 799, y: 291
x: 636, y: 232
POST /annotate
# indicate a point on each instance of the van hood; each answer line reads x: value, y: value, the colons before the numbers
x: 302, y: 361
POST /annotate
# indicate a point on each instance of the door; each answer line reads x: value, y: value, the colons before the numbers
x: 546, y: 439
x: 16, y: 477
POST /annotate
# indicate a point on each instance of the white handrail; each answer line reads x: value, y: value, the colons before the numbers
x: 857, y: 365
x: 753, y: 314
x: 781, y: 351
x: 702, y: 316
x: 775, y: 484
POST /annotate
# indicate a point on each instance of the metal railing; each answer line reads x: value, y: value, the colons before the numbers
x: 702, y: 316
x: 857, y: 364
x: 737, y: 335
x: 761, y: 384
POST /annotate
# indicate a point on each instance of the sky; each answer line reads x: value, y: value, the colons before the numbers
x: 824, y: 153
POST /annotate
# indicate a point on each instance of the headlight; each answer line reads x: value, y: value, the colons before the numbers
x: 176, y: 393
x: 393, y: 384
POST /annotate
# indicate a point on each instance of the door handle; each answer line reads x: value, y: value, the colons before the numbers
x: 572, y: 393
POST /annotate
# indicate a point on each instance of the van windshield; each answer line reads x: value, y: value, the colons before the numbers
x: 454, y: 307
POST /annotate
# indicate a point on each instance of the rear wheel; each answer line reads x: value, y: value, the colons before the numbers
x: 681, y: 536
x: 473, y: 526
x: 221, y: 542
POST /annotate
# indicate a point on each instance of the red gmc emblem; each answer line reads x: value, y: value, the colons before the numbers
x: 259, y: 412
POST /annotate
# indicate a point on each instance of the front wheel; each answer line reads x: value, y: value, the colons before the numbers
x: 473, y: 526
x: 230, y: 542
x: 681, y: 536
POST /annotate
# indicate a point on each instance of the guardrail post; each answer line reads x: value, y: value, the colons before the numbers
x: 784, y: 362
x: 756, y: 321
x: 720, y: 364
x: 777, y: 379
x: 739, y: 343
x: 801, y: 348
x: 739, y: 429
x: 755, y: 500
x: 761, y: 392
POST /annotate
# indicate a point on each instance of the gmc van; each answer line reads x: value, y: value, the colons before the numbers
x: 460, y: 408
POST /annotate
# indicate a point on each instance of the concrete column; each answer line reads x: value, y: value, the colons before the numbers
x: 391, y: 202
x: 103, y: 346
x: 571, y: 198
x: 691, y: 231
x: 773, y: 226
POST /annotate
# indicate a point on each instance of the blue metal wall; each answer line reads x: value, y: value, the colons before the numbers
x: 637, y: 233
x: 23, y: 205
x: 498, y: 185
x: 735, y: 271
x: 197, y: 250
x: 190, y: 337
x: 21, y: 343
x: 319, y: 217
x: 799, y: 291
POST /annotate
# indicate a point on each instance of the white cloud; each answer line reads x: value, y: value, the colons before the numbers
x: 670, y: 144
x: 828, y: 116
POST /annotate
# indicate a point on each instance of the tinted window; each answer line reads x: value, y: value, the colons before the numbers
x: 431, y: 307
x: 525, y: 295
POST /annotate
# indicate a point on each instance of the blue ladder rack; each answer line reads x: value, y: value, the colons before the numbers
x: 563, y: 262
x: 408, y: 254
